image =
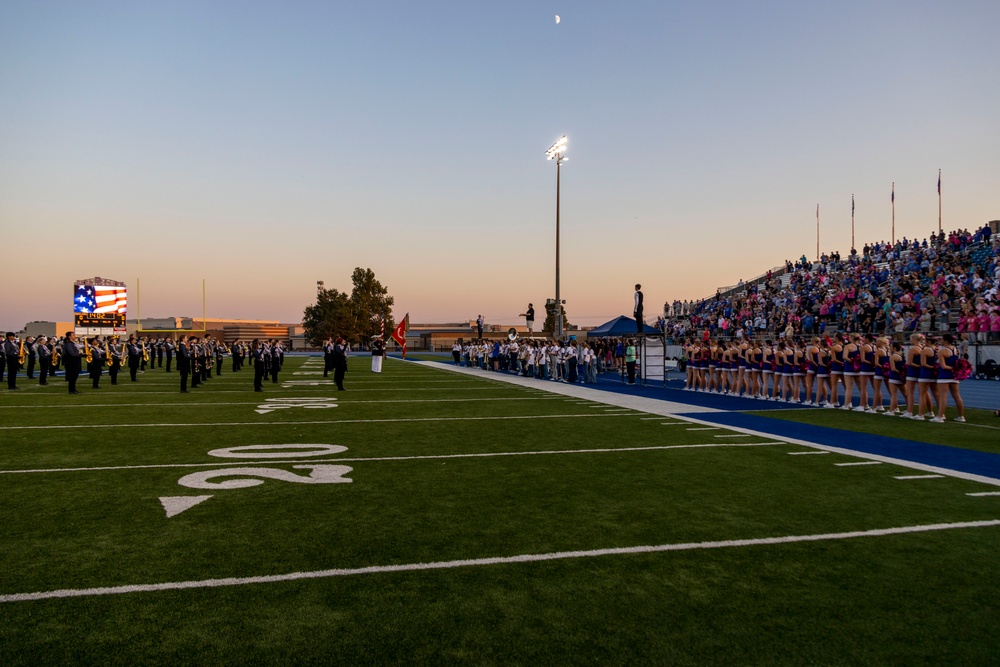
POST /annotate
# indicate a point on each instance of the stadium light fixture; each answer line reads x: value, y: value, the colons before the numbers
x: 557, y: 152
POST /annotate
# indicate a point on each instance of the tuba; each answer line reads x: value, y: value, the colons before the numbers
x: 22, y: 355
x: 145, y: 352
x: 512, y: 334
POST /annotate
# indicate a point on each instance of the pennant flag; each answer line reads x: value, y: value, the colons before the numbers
x: 399, y: 333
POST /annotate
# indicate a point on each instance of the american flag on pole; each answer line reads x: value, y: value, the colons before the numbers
x: 100, y: 299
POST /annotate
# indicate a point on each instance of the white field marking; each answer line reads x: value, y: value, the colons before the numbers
x: 805, y: 453
x: 859, y: 463
x: 738, y: 435
x: 919, y: 477
x: 299, y: 423
x: 296, y: 398
x: 985, y: 493
x: 709, y: 428
x: 174, y: 505
x: 671, y: 423
x: 376, y: 459
x: 496, y: 560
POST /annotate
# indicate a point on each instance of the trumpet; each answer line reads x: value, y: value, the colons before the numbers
x: 90, y: 355
x: 22, y: 355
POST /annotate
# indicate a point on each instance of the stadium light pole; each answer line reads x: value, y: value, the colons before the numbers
x: 557, y: 152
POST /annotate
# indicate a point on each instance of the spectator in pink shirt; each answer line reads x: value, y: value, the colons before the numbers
x: 994, y: 325
x: 983, y: 326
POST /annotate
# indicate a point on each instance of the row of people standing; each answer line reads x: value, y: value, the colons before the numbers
x: 568, y: 361
x: 811, y: 373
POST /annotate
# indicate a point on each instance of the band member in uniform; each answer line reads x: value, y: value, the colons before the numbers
x: 29, y: 347
x: 339, y: 362
x: 12, y: 353
x: 328, y: 346
x: 96, y: 365
x: 160, y: 346
x: 183, y: 362
x: 168, y: 347
x: 378, y: 354
x: 276, y: 354
x: 44, y: 359
x: 260, y: 357
x: 220, y: 350
x: 637, y: 309
x: 72, y: 360
x: 116, y: 350
x: 195, y: 348
x: 134, y: 357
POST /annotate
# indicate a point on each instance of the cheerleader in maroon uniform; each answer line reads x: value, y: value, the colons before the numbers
x: 881, y: 372
x: 927, y: 380
x: 798, y: 371
x: 913, y: 362
x: 836, y: 368
x: 947, y: 380
x: 866, y: 375
x: 852, y: 369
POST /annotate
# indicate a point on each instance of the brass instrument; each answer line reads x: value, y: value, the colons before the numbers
x: 86, y: 346
x: 55, y: 355
x: 22, y: 354
x: 145, y: 352
x: 512, y: 334
x: 107, y: 351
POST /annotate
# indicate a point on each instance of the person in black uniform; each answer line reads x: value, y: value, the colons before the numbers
x: 72, y: 361
x: 195, y: 349
x: 276, y: 354
x: 134, y: 357
x: 96, y: 365
x: 261, y: 358
x: 117, y: 351
x: 328, y: 346
x: 29, y: 347
x: 168, y: 347
x: 12, y: 353
x: 44, y: 359
x: 339, y: 363
x: 183, y: 362
x: 637, y: 311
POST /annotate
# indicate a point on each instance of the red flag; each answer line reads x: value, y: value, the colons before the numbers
x: 399, y: 333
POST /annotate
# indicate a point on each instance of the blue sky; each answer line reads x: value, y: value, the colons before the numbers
x: 263, y: 147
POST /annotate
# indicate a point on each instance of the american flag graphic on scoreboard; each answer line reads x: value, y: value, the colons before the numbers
x: 100, y: 299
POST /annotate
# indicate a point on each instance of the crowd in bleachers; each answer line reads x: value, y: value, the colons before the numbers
x: 945, y: 283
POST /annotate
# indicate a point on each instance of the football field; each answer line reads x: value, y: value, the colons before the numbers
x: 427, y: 516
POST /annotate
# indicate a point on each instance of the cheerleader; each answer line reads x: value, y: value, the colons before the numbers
x: 867, y: 372
x: 927, y: 379
x: 743, y: 374
x: 767, y: 371
x: 836, y: 368
x: 946, y: 380
x: 811, y: 353
x: 799, y: 371
x: 852, y: 370
x: 823, y: 364
x: 897, y: 378
x: 881, y: 368
x: 913, y: 356
x: 756, y: 361
x: 782, y: 369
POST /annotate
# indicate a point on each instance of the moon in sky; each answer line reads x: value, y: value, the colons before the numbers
x: 557, y: 18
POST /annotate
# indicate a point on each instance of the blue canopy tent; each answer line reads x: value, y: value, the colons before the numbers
x: 620, y: 326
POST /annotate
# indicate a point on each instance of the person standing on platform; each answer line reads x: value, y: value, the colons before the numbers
x: 134, y: 357
x: 378, y: 354
x: 637, y: 308
x: 44, y: 359
x: 479, y: 326
x: 72, y: 360
x: 339, y: 363
x: 529, y: 318
x: 11, y: 353
x: 183, y: 362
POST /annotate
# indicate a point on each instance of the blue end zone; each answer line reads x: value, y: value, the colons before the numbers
x: 940, y: 456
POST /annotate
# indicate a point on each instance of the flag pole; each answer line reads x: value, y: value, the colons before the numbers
x: 817, y: 232
x: 894, y: 213
x: 852, y: 221
x: 939, y: 202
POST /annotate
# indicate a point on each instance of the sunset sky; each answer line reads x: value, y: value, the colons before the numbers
x: 265, y: 146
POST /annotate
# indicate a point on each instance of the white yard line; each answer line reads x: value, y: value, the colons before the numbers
x: 479, y: 562
x: 805, y: 453
x: 859, y: 463
x: 421, y: 457
x: 918, y: 477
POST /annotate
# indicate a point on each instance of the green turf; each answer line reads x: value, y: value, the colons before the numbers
x: 926, y: 597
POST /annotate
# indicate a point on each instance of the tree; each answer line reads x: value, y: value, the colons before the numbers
x: 330, y: 316
x: 370, y: 303
x: 550, y: 322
